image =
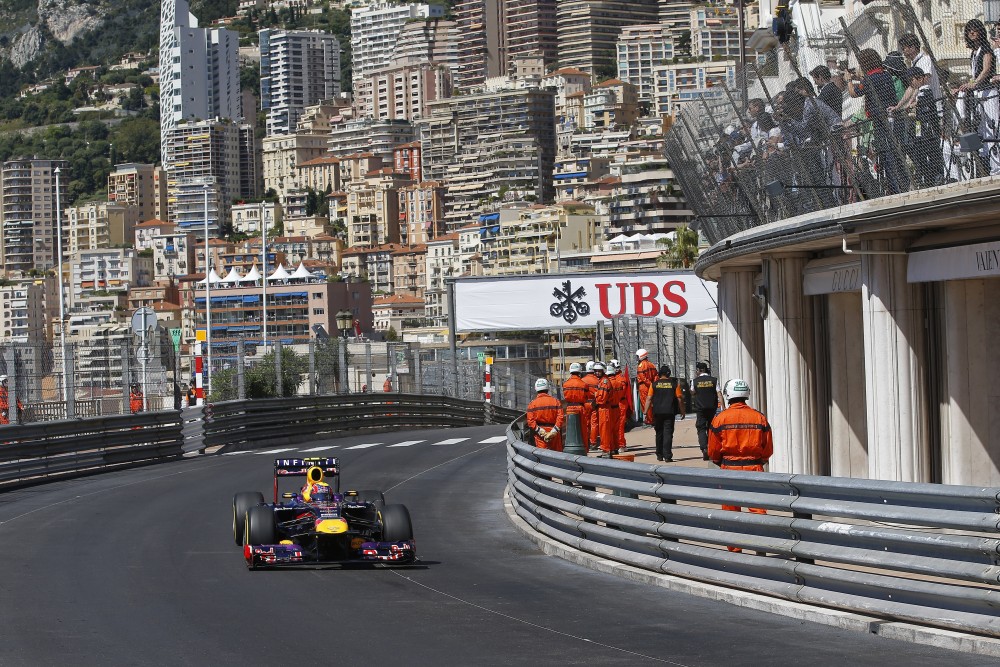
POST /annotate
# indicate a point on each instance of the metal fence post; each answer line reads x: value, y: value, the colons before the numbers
x: 368, y: 366
x: 279, y: 388
x: 10, y: 361
x: 71, y: 389
x: 241, y: 388
x: 312, y: 367
x: 345, y: 387
x: 418, y: 376
x: 126, y: 376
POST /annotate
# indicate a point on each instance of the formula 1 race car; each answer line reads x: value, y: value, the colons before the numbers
x: 319, y: 524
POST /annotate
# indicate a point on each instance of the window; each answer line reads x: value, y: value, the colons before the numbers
x: 319, y: 311
x: 317, y: 295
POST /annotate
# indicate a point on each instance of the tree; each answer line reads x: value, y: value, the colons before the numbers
x: 680, y: 251
x: 259, y: 380
x: 391, y: 335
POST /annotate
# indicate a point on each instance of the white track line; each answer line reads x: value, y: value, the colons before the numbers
x: 408, y: 443
x: 277, y: 451
x: 365, y: 446
x: 452, y: 441
x: 320, y: 449
x: 496, y: 438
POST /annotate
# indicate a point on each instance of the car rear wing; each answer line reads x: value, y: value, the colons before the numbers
x: 299, y: 468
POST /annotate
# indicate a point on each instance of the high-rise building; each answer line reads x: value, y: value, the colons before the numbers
x: 204, y: 155
x: 589, y: 29
x: 482, y: 48
x: 134, y: 184
x: 251, y: 167
x: 374, y: 31
x: 199, y: 71
x: 298, y: 68
x: 640, y: 49
x: 22, y: 313
x: 531, y: 30
x: 28, y: 213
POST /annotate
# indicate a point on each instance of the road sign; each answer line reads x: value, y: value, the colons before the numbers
x: 175, y: 338
x: 143, y: 319
x: 481, y: 356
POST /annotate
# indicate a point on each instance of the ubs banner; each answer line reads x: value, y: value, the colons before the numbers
x: 580, y: 300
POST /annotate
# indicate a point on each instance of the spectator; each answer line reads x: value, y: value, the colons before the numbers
x: 5, y: 402
x: 387, y: 385
x: 896, y: 67
x: 545, y: 417
x: 875, y: 86
x: 925, y: 130
x: 984, y: 103
x: 665, y: 401
x: 829, y: 93
x: 740, y: 438
x: 909, y: 45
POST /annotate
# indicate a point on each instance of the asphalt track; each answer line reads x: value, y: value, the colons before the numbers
x: 139, y: 568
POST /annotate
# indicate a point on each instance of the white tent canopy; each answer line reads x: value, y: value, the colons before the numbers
x: 232, y: 277
x: 252, y: 276
x: 279, y: 274
x: 213, y: 278
x: 302, y: 272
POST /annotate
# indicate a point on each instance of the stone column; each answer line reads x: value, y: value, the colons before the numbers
x: 848, y: 428
x: 741, y: 332
x: 898, y: 444
x: 790, y: 360
x: 970, y: 440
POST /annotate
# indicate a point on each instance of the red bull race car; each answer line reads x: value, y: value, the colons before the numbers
x: 318, y: 523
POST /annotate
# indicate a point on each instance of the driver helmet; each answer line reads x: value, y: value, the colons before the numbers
x: 320, y: 493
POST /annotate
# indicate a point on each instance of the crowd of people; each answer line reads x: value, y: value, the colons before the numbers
x: 917, y: 126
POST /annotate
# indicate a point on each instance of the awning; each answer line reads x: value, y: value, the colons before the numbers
x: 832, y: 274
x: 959, y: 262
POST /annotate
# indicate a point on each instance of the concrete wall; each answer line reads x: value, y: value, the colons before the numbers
x: 848, y: 441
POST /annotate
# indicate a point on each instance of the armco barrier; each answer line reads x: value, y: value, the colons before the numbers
x: 925, y: 553
x: 40, y: 452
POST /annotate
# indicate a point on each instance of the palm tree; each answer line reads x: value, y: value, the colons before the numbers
x: 681, y: 251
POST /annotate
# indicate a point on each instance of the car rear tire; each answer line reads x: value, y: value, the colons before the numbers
x: 396, y: 525
x: 261, y: 528
x: 242, y: 502
x: 372, y: 496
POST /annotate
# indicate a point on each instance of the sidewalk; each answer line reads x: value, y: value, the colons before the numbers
x: 641, y: 443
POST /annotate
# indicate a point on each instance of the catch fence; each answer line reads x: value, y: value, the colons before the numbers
x: 784, y: 141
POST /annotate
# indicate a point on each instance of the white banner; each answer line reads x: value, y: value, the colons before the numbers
x: 580, y: 300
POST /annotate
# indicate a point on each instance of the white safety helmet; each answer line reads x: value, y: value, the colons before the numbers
x: 598, y: 366
x: 575, y: 368
x: 541, y: 384
x: 641, y: 353
x: 614, y: 365
x: 736, y: 388
x: 3, y: 378
x: 590, y: 367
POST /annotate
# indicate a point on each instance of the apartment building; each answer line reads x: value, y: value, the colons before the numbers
x: 482, y: 48
x: 531, y: 30
x: 204, y: 156
x: 573, y: 176
x: 379, y: 137
x: 373, y: 208
x: 298, y: 68
x: 28, y: 211
x: 406, y: 160
x: 588, y: 30
x: 139, y: 185
x: 613, y: 104
x: 421, y: 212
x: 566, y: 81
x: 395, y: 310
x: 322, y: 174
x: 375, y: 29
x: 641, y: 48
x: 372, y: 264
x: 715, y: 34
x: 678, y: 84
x: 521, y: 240
x: 98, y: 225
x: 281, y: 155
x: 294, y: 307
x: 108, y: 270
x: 409, y: 271
x: 22, y: 313
x: 146, y: 231
x: 173, y: 254
x: 246, y: 218
x: 490, y: 147
x: 159, y: 292
x: 251, y: 168
x: 648, y: 199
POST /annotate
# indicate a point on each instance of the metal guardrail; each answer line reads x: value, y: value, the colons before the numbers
x: 34, y: 453
x: 44, y: 451
x: 925, y: 553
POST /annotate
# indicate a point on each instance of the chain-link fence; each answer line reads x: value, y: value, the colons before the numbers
x: 883, y: 101
x: 118, y: 374
x: 677, y: 346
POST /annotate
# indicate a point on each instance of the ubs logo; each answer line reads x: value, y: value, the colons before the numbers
x: 569, y: 303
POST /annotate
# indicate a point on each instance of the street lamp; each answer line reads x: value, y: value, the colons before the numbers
x: 62, y: 296
x: 208, y: 306
x: 344, y: 321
